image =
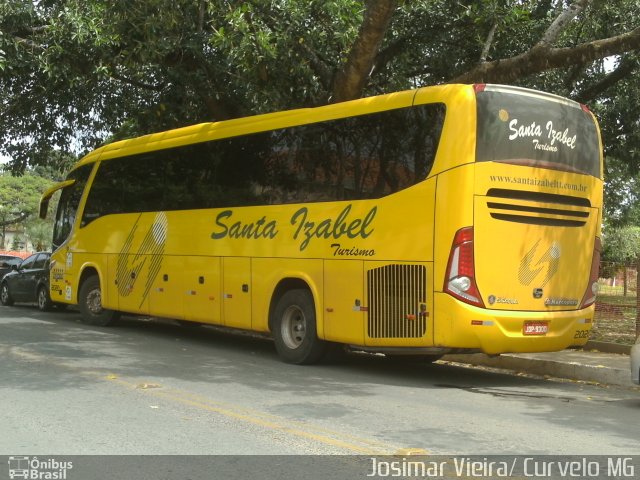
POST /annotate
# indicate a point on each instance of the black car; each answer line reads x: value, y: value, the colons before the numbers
x: 28, y: 282
x: 6, y: 262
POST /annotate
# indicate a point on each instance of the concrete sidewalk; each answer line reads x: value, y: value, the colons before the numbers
x: 586, y: 365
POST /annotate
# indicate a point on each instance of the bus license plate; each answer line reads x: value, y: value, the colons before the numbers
x: 535, y: 328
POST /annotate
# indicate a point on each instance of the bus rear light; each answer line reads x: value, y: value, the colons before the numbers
x: 479, y: 87
x: 592, y: 287
x: 460, y: 279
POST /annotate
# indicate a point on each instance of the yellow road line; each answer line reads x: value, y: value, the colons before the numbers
x: 362, y: 446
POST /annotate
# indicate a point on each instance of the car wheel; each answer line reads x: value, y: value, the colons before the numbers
x: 90, y: 296
x: 294, y: 328
x: 5, y: 296
x: 44, y: 301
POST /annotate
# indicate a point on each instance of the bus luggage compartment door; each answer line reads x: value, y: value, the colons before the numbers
x: 344, y: 308
x: 236, y: 292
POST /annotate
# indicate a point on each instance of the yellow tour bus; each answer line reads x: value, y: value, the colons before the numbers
x: 450, y: 218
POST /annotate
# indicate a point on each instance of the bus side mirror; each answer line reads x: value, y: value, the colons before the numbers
x: 44, y: 206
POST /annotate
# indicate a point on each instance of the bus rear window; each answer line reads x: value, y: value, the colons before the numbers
x: 527, y: 128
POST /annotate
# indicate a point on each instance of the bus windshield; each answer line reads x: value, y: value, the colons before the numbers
x: 530, y: 128
x: 68, y: 205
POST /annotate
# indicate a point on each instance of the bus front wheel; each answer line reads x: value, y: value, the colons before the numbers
x: 294, y: 328
x: 90, y: 297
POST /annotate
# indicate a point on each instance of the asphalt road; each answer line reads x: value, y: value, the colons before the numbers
x: 156, y: 388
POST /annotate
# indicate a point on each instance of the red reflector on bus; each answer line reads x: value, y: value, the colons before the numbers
x: 476, y: 322
x: 479, y: 87
x: 460, y: 279
x: 589, y: 297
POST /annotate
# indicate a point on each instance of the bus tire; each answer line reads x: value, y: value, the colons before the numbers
x: 294, y: 328
x: 90, y: 297
x: 44, y: 302
x: 5, y: 295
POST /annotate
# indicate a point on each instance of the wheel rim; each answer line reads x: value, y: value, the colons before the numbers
x: 42, y: 298
x: 294, y: 327
x: 4, y: 293
x: 94, y: 301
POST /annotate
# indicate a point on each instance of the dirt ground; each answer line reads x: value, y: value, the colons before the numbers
x: 615, y: 319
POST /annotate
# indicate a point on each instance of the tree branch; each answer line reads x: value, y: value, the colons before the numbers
x: 318, y: 65
x: 488, y: 42
x: 626, y: 67
x: 387, y: 54
x: 561, y: 22
x: 201, y: 11
x: 135, y: 83
x: 20, y: 217
x: 511, y: 69
x: 28, y: 43
x: 350, y: 80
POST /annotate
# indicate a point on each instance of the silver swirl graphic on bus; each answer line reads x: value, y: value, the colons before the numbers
x: 148, y: 256
x: 529, y: 272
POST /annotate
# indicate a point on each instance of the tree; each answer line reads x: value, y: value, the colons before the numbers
x: 622, y: 194
x: 40, y: 233
x: 74, y: 72
x: 623, y: 245
x: 19, y: 197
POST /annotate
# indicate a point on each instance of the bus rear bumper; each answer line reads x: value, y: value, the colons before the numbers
x: 462, y: 326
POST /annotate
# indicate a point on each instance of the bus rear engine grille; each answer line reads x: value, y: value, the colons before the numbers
x: 536, y: 208
x: 397, y: 301
x: 539, y: 197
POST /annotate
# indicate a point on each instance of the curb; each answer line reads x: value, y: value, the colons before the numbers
x: 539, y: 366
x: 608, y: 347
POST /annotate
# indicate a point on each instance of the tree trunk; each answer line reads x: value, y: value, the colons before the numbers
x: 350, y: 81
x: 625, y: 289
x: 638, y: 298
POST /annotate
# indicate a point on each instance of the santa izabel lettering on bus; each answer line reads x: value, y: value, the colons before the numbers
x: 546, y: 137
x: 306, y: 227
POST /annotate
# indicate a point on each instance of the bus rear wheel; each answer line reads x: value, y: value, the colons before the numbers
x: 90, y: 297
x: 294, y: 328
